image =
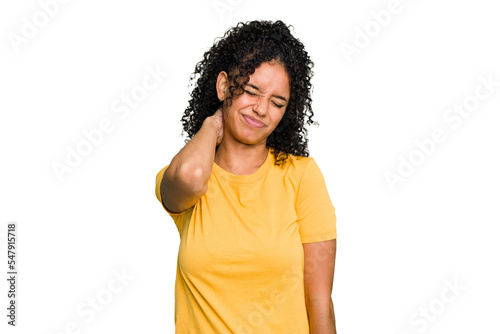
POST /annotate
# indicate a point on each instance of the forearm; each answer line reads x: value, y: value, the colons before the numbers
x: 196, y: 158
x: 321, y: 316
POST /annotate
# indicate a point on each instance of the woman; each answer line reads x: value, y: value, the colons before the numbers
x: 257, y: 227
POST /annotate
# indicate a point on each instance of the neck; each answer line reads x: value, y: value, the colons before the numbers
x: 240, y: 159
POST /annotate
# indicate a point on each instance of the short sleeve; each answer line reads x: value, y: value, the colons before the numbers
x: 316, y: 213
x: 159, y: 177
x: 178, y: 217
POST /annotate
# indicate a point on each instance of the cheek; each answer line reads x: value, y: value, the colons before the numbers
x: 233, y: 109
x: 277, y: 117
x: 231, y: 115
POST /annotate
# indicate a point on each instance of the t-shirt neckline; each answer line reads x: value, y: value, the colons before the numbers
x: 250, y: 178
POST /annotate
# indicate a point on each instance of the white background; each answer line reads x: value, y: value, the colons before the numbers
x: 396, y: 248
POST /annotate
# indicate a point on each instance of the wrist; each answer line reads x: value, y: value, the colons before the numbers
x: 213, y: 124
x: 210, y: 122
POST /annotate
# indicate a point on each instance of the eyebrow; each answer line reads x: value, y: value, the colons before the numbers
x: 276, y: 96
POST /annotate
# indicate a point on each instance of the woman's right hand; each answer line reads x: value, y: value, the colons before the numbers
x: 218, y: 119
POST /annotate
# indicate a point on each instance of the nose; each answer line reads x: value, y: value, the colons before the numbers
x: 261, y: 105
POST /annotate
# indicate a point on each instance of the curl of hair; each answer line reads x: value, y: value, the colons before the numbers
x: 243, y: 48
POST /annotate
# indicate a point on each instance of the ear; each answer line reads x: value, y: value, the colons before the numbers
x: 222, y: 85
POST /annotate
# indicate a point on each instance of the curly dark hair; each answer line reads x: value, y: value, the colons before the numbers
x: 243, y: 48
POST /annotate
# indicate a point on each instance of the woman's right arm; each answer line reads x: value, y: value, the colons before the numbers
x: 186, y: 178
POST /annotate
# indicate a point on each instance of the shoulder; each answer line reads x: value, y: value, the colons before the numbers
x: 299, y: 164
x: 296, y: 167
x: 295, y: 162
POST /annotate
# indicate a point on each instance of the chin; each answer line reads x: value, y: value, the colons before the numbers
x: 252, y: 140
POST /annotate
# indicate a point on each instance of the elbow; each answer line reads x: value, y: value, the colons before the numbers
x: 181, y: 187
x: 190, y: 177
x: 194, y: 179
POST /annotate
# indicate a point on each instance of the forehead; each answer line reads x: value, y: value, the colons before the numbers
x: 271, y: 77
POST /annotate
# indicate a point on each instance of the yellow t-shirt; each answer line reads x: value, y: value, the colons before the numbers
x: 241, y: 262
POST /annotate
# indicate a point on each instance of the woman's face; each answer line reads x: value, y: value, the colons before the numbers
x: 254, y: 115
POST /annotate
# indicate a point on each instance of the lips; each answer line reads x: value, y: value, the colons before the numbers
x: 253, y: 122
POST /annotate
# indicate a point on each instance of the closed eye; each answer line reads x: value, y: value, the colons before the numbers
x: 249, y: 93
x: 254, y: 94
